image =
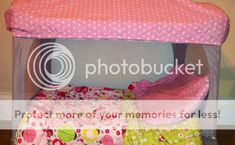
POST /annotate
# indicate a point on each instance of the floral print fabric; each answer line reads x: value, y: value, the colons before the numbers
x: 71, y: 134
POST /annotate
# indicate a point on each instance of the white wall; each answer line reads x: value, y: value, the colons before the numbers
x: 5, y: 54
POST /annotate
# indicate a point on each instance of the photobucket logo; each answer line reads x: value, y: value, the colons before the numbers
x: 39, y: 66
x: 142, y: 68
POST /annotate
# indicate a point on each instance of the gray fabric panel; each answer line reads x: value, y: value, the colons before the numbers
x: 21, y: 48
x: 213, y: 54
x: 179, y: 51
x: 209, y: 141
x: 194, y: 53
x: 113, y: 52
x: 23, y: 88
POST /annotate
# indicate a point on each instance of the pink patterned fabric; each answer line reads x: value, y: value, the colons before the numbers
x: 45, y: 131
x: 173, y: 87
x: 177, y: 87
x: 181, y: 21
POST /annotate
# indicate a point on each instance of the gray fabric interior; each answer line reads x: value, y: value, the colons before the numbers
x: 113, y: 52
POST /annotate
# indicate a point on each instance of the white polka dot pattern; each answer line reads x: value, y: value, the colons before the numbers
x: 179, y: 21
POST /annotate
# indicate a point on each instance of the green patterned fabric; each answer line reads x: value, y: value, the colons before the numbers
x: 161, y: 135
x: 66, y: 133
x: 165, y: 136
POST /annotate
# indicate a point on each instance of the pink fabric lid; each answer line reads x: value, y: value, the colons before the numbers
x: 179, y: 21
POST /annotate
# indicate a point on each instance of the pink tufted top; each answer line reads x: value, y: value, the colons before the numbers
x: 179, y: 21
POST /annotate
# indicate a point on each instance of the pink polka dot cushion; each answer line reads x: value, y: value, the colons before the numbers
x: 173, y: 87
x: 177, y: 93
x: 181, y: 21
